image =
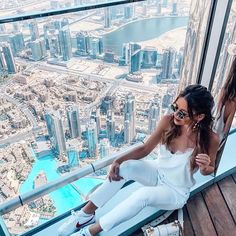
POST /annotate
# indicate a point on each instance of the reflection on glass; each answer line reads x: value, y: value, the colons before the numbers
x: 224, y: 86
x: 196, y: 33
x: 76, y: 88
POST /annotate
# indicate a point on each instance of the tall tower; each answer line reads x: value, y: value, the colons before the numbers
x: 17, y: 42
x: 107, y: 17
x: 34, y: 31
x: 74, y: 121
x: 95, y: 115
x: 154, y: 113
x: 53, y: 43
x: 82, y: 39
x: 129, y: 118
x: 129, y: 11
x: 65, y: 43
x: 104, y: 148
x: 110, y: 126
x: 135, y: 62
x: 55, y: 131
x: 38, y: 49
x: 168, y: 63
x: 73, y: 158
x: 92, y: 139
x: 9, y: 59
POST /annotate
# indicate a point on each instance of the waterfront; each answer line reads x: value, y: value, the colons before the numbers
x: 142, y: 30
x: 66, y: 197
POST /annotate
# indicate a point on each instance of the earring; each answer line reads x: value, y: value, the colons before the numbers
x: 196, y: 125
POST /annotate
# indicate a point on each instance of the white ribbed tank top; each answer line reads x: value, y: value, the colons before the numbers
x: 174, y: 169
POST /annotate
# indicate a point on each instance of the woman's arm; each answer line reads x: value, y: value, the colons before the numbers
x: 230, y: 108
x: 150, y: 144
x: 206, y: 162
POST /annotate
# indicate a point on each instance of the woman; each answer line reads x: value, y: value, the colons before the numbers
x: 186, y: 144
x: 227, y: 104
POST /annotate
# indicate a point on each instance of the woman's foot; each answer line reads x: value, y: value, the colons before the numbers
x: 76, y: 221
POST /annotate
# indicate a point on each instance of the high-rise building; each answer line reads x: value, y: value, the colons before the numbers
x: 17, y: 43
x: 73, y: 157
x: 82, y: 39
x: 128, y: 51
x: 34, y: 31
x: 74, y: 121
x: 129, y: 11
x: 167, y: 63
x: 109, y: 56
x: 65, y: 22
x: 65, y: 43
x: 104, y: 148
x: 95, y: 115
x: 154, y: 113
x: 55, y: 130
x: 129, y: 118
x: 2, y: 28
x: 158, y: 8
x: 95, y: 48
x: 149, y: 59
x: 38, y: 49
x: 92, y: 139
x: 53, y: 42
x: 2, y: 62
x: 107, y: 17
x: 136, y: 60
x: 8, y: 58
x: 174, y: 8
x: 110, y: 126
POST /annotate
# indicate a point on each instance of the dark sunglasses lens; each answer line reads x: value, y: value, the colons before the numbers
x: 181, y: 115
x: 174, y: 107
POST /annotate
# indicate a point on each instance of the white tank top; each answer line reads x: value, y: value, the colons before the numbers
x: 174, y: 169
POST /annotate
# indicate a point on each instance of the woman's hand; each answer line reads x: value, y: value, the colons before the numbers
x: 203, y: 161
x: 114, y: 172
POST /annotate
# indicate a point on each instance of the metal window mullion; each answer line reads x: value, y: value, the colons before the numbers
x: 214, y: 42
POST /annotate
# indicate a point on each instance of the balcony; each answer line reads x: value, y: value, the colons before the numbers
x: 89, y: 86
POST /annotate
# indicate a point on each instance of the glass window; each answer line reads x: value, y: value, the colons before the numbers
x: 78, y: 87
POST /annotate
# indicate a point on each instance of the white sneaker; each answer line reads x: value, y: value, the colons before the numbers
x: 82, y: 232
x: 76, y: 221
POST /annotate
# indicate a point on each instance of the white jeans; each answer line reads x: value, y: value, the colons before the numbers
x: 154, y: 193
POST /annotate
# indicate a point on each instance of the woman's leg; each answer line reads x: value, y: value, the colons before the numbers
x: 141, y: 171
x: 162, y: 197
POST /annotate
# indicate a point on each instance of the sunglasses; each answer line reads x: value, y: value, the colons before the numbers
x: 179, y: 113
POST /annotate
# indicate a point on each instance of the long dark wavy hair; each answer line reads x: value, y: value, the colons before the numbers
x: 228, y: 92
x: 200, y: 101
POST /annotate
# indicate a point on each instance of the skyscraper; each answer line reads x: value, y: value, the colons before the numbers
x: 128, y: 51
x: 73, y: 157
x: 92, y: 139
x: 38, y: 49
x: 2, y: 61
x: 95, y: 48
x: 149, y: 57
x: 154, y: 113
x: 136, y: 59
x: 82, y: 39
x: 34, y: 31
x: 158, y: 8
x: 110, y: 126
x: 167, y: 63
x: 95, y: 115
x: 17, y: 43
x: 129, y: 12
x: 174, y: 8
x: 8, y: 58
x: 55, y: 130
x: 104, y: 148
x: 65, y: 43
x: 74, y: 121
x: 107, y: 17
x: 53, y: 43
x: 129, y: 118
